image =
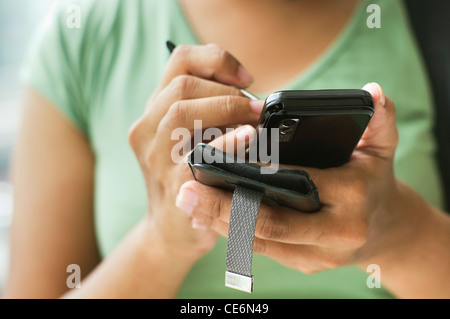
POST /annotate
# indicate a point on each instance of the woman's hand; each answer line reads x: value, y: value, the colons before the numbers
x: 368, y: 217
x: 360, y: 218
x: 189, y: 90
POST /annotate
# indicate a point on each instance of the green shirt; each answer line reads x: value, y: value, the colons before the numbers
x: 101, y: 75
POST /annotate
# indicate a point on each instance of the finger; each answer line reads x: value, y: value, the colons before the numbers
x: 181, y: 88
x: 308, y: 259
x: 379, y: 140
x: 381, y: 137
x: 189, y: 118
x: 208, y: 62
x: 273, y: 223
x: 184, y: 87
x: 334, y: 184
x: 305, y: 258
x: 213, y: 112
x: 236, y: 141
x: 299, y: 257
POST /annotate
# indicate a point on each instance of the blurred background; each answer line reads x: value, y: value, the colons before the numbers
x: 18, y: 21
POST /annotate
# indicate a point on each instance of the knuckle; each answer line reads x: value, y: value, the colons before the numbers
x: 229, y: 103
x: 181, y: 85
x: 142, y: 143
x: 307, y: 270
x: 134, y: 133
x: 176, y: 114
x: 149, y: 159
x: 225, y: 61
x: 330, y: 262
x: 222, y: 56
x: 310, y: 271
x: 181, y: 51
x: 138, y: 135
x: 218, y: 208
x: 260, y: 246
x: 269, y: 228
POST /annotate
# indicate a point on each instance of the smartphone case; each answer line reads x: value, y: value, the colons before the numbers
x: 287, y: 187
x: 323, y: 126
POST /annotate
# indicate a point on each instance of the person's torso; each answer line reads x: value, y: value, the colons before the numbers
x: 123, y: 61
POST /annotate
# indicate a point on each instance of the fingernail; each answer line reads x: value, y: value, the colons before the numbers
x: 256, y: 106
x: 382, y: 96
x: 187, y: 200
x: 244, y: 76
x: 213, y: 45
x: 375, y: 86
x: 367, y: 87
x: 197, y: 225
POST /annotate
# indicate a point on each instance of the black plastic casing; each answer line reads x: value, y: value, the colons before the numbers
x: 287, y: 187
x: 330, y: 124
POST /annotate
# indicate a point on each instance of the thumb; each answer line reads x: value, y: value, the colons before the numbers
x: 381, y: 137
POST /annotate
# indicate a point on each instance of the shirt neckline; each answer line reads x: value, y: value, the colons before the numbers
x: 315, y: 68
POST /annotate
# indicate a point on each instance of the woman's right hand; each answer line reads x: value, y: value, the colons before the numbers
x: 199, y: 83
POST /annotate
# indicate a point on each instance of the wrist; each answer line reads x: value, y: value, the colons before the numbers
x: 415, y: 216
x: 141, y: 266
x: 159, y: 269
x: 154, y: 243
x: 414, y: 257
x: 398, y: 227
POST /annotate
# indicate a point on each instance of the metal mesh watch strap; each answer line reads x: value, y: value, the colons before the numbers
x: 244, y: 210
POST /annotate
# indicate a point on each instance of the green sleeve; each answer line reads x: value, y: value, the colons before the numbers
x: 53, y: 67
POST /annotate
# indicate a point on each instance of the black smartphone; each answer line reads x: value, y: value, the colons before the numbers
x: 317, y: 128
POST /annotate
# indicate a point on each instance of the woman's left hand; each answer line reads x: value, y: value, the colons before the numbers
x: 360, y: 218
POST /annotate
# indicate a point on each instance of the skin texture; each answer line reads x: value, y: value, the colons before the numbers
x: 380, y: 221
x: 263, y: 24
x: 53, y: 217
